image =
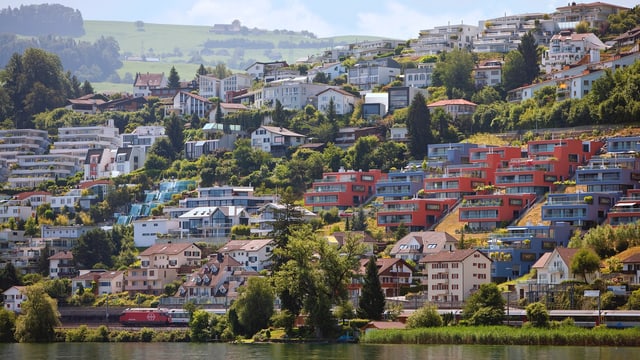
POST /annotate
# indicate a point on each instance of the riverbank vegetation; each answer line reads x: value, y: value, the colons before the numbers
x: 505, y: 335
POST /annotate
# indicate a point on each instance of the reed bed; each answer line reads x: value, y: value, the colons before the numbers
x: 504, y: 335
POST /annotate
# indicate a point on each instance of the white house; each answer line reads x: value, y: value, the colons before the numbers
x: 343, y: 102
x: 452, y: 276
x: 108, y: 282
x: 556, y: 267
x: 262, y: 222
x: 568, y: 47
x: 419, y: 77
x: 13, y: 298
x: 144, y: 83
x: 225, y: 109
x: 293, y: 94
x: 212, y: 221
x: 275, y: 139
x: 189, y: 104
x: 235, y: 82
x: 146, y: 231
x: 331, y: 71
x: 61, y: 265
x: 268, y: 71
x: 252, y: 254
x: 454, y: 107
x: 208, y: 86
x: 368, y: 74
x: 488, y: 73
x: 127, y: 160
x: 417, y: 244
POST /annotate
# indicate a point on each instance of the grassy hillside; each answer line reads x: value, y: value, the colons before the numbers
x: 183, y: 46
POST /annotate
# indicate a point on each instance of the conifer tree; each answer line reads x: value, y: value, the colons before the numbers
x: 371, y: 303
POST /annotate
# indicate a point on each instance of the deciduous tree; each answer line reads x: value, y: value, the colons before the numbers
x: 40, y: 316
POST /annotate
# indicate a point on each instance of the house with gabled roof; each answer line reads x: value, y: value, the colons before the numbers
x: 343, y: 101
x: 415, y: 245
x: 126, y: 103
x: 144, y: 83
x: 275, y: 140
x: 215, y: 282
x: 186, y: 103
x: 13, y: 298
x: 253, y: 254
x: 394, y: 274
x: 108, y: 282
x: 262, y: 221
x: 453, y: 276
x: 454, y: 107
x: 32, y: 198
x: 268, y: 71
x: 128, y: 159
x: 225, y: 109
x: 556, y: 268
x: 371, y: 245
x: 61, y: 265
x: 630, y: 260
x: 87, y: 104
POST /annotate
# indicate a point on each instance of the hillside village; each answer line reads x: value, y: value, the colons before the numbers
x: 197, y: 239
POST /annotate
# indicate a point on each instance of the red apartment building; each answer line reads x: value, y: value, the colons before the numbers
x: 547, y: 161
x: 416, y: 214
x: 488, y: 212
x: 625, y: 211
x: 343, y: 189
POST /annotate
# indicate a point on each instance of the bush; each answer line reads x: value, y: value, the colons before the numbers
x: 146, y: 334
x: 77, y: 335
x: 538, y: 315
x: 427, y: 316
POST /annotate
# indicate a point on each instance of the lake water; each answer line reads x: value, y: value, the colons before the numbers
x: 187, y: 351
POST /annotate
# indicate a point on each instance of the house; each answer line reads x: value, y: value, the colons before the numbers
x: 450, y: 153
x: 126, y: 103
x: 292, y: 94
x: 144, y: 136
x: 331, y: 71
x: 234, y: 83
x: 209, y: 86
x: 13, y: 298
x: 343, y: 189
x: 394, y: 274
x: 454, y: 107
x: 383, y: 325
x: 415, y: 245
x: 583, y: 209
x: 453, y: 276
x: 420, y: 77
x: 275, y: 140
x: 401, y: 97
x: 445, y: 38
x: 160, y: 265
x: 107, y: 282
x: 343, y: 102
x: 567, y: 48
x: 87, y: 104
x: 347, y: 136
x: 127, y: 160
x: 32, y: 199
x: 488, y: 73
x: 556, y: 268
x: 186, y: 103
x: 239, y: 196
x: 262, y: 222
x: 367, y: 74
x: 340, y: 238
x: 144, y: 83
x: 626, y: 210
x: 268, y: 71
x: 619, y: 172
x: 630, y: 260
x: 594, y: 13
x: 225, y: 109
x: 215, y: 283
x: 63, y: 237
x: 61, y: 265
x: 516, y: 250
x: 147, y: 231
x: 253, y: 254
x: 212, y: 222
x: 97, y: 164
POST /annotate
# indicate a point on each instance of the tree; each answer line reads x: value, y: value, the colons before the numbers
x: 93, y: 247
x: 7, y: 325
x: 9, y: 277
x: 485, y: 306
x: 199, y: 326
x: 173, y: 82
x: 514, y: 71
x: 426, y: 316
x: 278, y: 116
x: 419, y: 127
x: 40, y: 316
x: 455, y: 73
x: 174, y: 130
x: 254, y: 305
x: 529, y: 50
x: 538, y: 315
x: 634, y: 301
x: 585, y: 262
x: 201, y: 70
x: 372, y: 300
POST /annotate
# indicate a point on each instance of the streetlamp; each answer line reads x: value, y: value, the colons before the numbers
x: 508, y: 293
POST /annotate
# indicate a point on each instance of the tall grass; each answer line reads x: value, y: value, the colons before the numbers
x: 504, y: 335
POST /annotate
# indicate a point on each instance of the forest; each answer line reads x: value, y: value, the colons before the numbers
x: 41, y: 20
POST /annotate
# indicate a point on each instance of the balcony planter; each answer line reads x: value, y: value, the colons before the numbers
x: 588, y: 199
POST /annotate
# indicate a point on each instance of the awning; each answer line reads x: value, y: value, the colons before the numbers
x: 626, y: 204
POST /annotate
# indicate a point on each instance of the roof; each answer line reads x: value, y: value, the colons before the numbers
x: 542, y: 261
x: 452, y: 102
x: 592, y: 4
x: 92, y: 183
x: 28, y: 194
x: 566, y: 254
x: 246, y: 245
x: 62, y: 255
x: 451, y: 256
x: 631, y: 255
x: 169, y: 249
x: 384, y: 325
x: 148, y: 79
x: 233, y: 106
x: 339, y: 91
x: 281, y: 131
x: 424, y: 239
x: 195, y: 96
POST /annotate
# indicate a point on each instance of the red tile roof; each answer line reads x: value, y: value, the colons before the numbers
x: 171, y: 249
x: 28, y: 194
x: 451, y: 102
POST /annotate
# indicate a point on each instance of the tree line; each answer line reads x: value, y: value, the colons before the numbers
x: 42, y: 19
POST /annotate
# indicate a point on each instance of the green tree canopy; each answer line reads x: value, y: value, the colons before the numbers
x: 514, y: 71
x: 419, y: 127
x: 455, y: 73
x: 585, y: 262
x: 254, y: 305
x: 485, y: 306
x: 173, y: 82
x: 426, y: 316
x: 529, y: 50
x: 93, y: 247
x: 40, y: 316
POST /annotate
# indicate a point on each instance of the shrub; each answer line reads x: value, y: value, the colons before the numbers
x: 77, y: 335
x: 538, y: 315
x: 427, y: 316
x: 146, y: 334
